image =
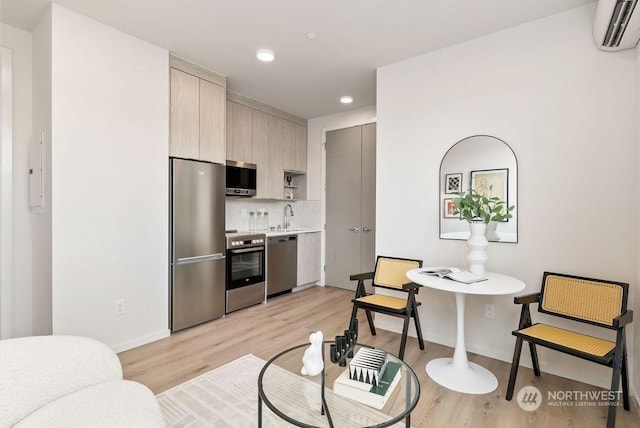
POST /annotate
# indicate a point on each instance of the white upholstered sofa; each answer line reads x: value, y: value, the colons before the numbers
x: 68, y: 381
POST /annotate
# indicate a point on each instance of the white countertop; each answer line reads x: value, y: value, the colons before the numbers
x: 269, y: 233
x: 292, y: 231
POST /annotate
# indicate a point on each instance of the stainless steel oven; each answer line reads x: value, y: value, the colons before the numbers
x: 245, y: 283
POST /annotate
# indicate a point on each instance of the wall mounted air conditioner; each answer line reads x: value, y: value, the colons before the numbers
x: 617, y: 25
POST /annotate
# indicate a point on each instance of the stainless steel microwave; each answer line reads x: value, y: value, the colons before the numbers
x: 241, y: 178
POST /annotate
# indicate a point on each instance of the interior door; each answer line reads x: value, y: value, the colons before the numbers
x: 350, y: 211
x: 368, y: 199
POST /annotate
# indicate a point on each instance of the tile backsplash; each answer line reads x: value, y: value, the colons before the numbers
x: 306, y: 214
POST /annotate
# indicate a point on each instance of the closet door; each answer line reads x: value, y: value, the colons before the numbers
x: 350, y: 190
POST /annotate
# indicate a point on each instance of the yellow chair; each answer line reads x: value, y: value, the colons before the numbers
x: 592, y: 301
x: 390, y: 273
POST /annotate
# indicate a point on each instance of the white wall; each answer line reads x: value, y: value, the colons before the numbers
x: 110, y: 97
x: 635, y: 344
x: 569, y: 112
x: 20, y: 43
x: 316, y: 156
x: 41, y: 222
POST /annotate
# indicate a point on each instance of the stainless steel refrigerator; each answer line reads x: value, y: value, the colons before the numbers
x: 197, y: 242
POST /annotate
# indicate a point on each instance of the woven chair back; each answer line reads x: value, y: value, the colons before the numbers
x: 392, y: 273
x: 585, y: 299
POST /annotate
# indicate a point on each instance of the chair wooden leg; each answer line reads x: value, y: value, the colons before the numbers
x: 625, y: 380
x: 416, y: 319
x: 514, y: 369
x: 370, y: 321
x: 403, y: 341
x: 354, y: 313
x: 534, y: 359
x: 615, y: 384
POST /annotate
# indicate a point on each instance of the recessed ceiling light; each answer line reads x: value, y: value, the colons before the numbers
x: 311, y: 35
x: 265, y: 55
x: 346, y: 99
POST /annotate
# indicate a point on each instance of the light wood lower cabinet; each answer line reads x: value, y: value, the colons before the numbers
x: 309, y: 257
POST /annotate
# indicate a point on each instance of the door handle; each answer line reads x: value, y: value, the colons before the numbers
x: 366, y: 229
x: 354, y: 229
x: 196, y: 259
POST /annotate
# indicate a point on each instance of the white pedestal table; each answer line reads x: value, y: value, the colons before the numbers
x: 458, y: 373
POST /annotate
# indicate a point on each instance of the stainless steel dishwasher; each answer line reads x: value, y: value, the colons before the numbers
x: 282, y: 264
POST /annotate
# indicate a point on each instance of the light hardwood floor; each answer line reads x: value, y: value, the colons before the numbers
x: 282, y: 322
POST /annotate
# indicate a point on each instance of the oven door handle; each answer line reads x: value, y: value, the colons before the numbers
x: 247, y: 250
x: 196, y: 259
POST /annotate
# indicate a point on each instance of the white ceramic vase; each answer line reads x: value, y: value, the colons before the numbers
x: 478, y: 244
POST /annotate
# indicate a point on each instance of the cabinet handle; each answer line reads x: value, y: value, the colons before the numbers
x: 366, y: 229
x: 354, y: 229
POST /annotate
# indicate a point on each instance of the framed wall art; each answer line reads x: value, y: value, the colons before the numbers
x: 491, y: 183
x: 453, y: 183
x: 448, y: 209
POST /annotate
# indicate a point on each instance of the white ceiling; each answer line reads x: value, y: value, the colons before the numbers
x: 308, y: 76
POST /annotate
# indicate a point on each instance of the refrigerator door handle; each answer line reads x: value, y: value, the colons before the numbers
x: 196, y: 259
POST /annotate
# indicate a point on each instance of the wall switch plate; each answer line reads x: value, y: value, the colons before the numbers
x: 490, y: 311
x: 120, y: 307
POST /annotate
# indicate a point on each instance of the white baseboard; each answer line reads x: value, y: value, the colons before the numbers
x: 141, y: 341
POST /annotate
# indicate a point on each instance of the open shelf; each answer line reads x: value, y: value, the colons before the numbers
x: 294, y: 188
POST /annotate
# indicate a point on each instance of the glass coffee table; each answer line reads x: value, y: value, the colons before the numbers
x: 297, y: 399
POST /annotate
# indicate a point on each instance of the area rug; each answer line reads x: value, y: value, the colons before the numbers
x: 228, y: 397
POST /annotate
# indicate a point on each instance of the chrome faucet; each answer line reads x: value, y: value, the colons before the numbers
x: 287, y: 220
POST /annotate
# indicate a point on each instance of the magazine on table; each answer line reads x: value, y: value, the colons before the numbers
x: 454, y: 274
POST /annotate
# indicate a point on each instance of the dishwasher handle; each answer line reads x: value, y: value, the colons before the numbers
x: 276, y: 239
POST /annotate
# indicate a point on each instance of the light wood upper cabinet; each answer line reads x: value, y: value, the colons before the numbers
x: 260, y: 152
x: 274, y: 140
x: 240, y: 133
x: 197, y: 113
x: 289, y: 153
x: 212, y: 122
x: 185, y: 115
x: 301, y: 148
x: 295, y: 147
x: 276, y: 165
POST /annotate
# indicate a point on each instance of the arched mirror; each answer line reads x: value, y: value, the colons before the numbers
x: 480, y: 162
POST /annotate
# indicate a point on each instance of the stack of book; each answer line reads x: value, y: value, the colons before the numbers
x: 370, y: 378
x: 368, y: 366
